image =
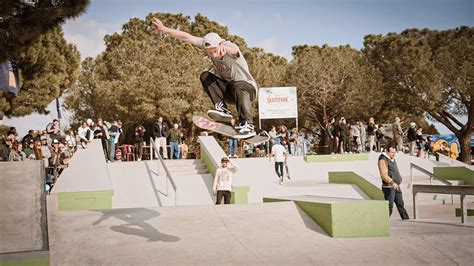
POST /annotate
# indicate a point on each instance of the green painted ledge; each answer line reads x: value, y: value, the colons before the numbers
x: 470, y: 212
x: 89, y: 200
x: 347, y: 219
x: 455, y: 173
x: 336, y: 158
x: 240, y: 195
x: 27, y: 262
x: 368, y: 188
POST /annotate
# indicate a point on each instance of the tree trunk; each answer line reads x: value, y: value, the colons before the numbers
x: 465, y: 141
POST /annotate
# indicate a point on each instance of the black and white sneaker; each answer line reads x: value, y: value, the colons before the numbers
x: 220, y: 113
x: 245, y: 130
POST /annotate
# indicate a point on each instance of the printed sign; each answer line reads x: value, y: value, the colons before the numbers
x: 279, y: 102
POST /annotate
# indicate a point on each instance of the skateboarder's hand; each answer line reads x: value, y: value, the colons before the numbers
x: 158, y: 25
x: 221, y: 51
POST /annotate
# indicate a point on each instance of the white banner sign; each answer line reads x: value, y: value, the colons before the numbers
x: 277, y: 102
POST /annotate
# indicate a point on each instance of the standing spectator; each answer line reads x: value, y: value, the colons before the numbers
x: 355, y: 132
x: 29, y: 150
x: 293, y: 139
x: 363, y: 136
x: 45, y: 151
x: 7, y: 146
x: 371, y: 133
x: 160, y: 133
x: 232, y: 150
x: 333, y: 138
x: 344, y: 136
x: 54, y: 129
x: 222, y: 185
x: 84, y: 134
x: 114, y: 132
x: 420, y: 142
x: 379, y: 134
x: 101, y: 132
x: 71, y: 141
x: 284, y: 138
x: 184, y: 147
x: 12, y: 131
x: 280, y: 157
x: 301, y: 147
x: 398, y: 134
x: 175, y: 136
x: 16, y: 153
x: 391, y: 180
x: 139, y: 141
x: 411, y: 136
x: 38, y: 151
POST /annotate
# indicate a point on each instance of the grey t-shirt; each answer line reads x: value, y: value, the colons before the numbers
x: 232, y: 68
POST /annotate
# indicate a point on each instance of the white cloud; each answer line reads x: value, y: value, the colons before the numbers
x: 269, y: 45
x: 88, y: 35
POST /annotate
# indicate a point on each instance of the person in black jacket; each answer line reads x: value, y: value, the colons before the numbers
x: 411, y: 135
x: 160, y: 133
x: 371, y: 133
x: 139, y: 138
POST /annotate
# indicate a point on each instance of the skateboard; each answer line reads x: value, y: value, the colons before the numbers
x: 208, y: 124
x: 287, y: 170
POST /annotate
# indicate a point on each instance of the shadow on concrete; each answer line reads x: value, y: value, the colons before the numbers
x: 310, y: 223
x: 359, y: 191
x: 135, y: 223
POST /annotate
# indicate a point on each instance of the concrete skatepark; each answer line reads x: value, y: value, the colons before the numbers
x: 330, y: 212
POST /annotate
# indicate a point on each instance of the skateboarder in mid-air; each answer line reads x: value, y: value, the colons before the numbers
x: 228, y: 82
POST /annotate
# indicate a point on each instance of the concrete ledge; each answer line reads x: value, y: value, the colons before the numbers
x: 336, y: 158
x: 455, y: 173
x: 344, y: 218
x: 211, y: 153
x: 470, y: 212
x: 92, y: 200
x: 368, y: 188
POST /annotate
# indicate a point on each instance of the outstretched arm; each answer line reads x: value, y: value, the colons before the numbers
x: 180, y: 35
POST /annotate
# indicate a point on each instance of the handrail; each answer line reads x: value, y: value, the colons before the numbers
x: 154, y: 149
x: 431, y: 175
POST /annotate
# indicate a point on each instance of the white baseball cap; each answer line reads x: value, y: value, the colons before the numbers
x: 212, y: 40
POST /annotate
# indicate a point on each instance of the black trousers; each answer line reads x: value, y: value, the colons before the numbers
x: 240, y: 93
x: 279, y: 168
x: 396, y: 196
x: 223, y: 193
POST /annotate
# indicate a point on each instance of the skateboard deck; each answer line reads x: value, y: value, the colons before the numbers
x: 208, y: 124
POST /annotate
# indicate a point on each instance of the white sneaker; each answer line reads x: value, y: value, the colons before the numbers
x: 245, y: 129
x: 220, y: 113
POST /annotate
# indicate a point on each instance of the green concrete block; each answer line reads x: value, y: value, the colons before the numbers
x: 27, y: 262
x: 336, y: 158
x: 90, y: 200
x: 205, y: 157
x: 344, y: 218
x: 240, y: 195
x: 455, y: 173
x: 470, y: 212
x: 372, y: 191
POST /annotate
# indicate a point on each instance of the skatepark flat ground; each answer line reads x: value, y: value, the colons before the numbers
x: 257, y: 234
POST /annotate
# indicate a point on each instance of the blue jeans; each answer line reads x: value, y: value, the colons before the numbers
x: 174, y: 150
x: 232, y: 147
x: 111, y: 150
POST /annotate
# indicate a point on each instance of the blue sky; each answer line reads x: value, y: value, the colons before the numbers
x: 275, y: 26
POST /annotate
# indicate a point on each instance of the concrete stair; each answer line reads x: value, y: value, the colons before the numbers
x: 186, y: 167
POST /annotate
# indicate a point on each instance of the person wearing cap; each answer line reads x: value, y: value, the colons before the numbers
x: 229, y: 81
x: 222, y: 186
x: 30, y: 149
x: 281, y: 155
